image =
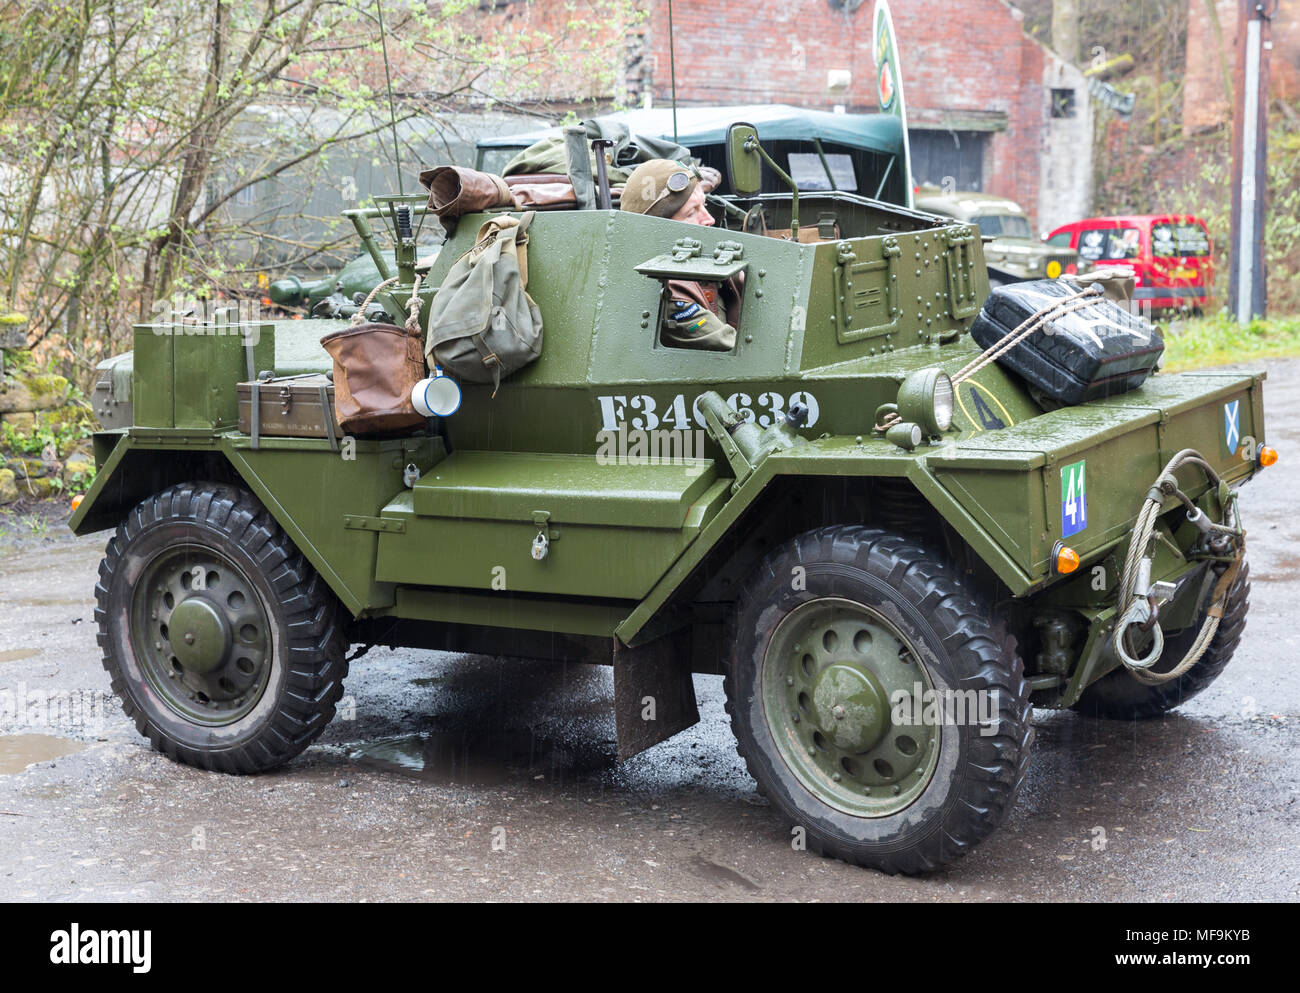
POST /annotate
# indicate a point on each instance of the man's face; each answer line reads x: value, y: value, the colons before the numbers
x: 693, y: 210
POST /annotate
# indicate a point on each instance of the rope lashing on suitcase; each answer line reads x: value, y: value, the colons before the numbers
x: 1224, y: 542
x: 412, y: 305
x: 1085, y: 297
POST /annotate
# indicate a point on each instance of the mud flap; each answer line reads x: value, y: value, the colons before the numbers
x: 654, y: 696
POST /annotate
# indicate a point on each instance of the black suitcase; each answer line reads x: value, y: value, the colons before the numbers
x: 1097, y: 351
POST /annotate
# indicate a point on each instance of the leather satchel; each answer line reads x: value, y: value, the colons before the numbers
x: 375, y: 368
x: 543, y: 192
x: 455, y: 191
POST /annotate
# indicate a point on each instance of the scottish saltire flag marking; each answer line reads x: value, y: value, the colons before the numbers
x: 1232, y: 424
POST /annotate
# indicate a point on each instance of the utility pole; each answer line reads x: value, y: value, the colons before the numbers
x: 1247, y: 284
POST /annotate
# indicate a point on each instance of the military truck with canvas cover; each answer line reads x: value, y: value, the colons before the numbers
x: 868, y: 524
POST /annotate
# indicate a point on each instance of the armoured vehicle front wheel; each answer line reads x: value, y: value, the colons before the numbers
x: 223, y: 644
x: 1119, y: 696
x: 875, y: 701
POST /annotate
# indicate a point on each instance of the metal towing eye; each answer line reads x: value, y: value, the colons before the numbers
x: 1144, y: 613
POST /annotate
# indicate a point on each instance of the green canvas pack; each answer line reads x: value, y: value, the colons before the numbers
x: 483, y: 325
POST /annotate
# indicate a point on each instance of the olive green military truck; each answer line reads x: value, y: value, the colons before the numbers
x: 1010, y: 248
x: 889, y: 552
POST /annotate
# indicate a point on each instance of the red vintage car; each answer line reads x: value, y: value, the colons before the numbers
x: 1168, y: 253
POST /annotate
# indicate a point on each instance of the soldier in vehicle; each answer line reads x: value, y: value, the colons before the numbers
x: 699, y: 315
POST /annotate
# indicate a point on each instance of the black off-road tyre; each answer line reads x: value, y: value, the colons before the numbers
x: 1118, y: 696
x: 290, y: 692
x: 975, y: 776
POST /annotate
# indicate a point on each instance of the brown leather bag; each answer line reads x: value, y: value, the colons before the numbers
x: 543, y: 191
x: 375, y: 368
x: 455, y: 191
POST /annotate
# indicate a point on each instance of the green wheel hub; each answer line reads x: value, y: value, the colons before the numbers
x: 830, y: 675
x: 202, y: 634
x: 850, y: 706
x: 199, y: 635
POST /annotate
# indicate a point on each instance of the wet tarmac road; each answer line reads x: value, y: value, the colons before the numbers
x: 459, y: 777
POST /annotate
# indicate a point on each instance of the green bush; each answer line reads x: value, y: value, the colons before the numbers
x: 1220, y: 340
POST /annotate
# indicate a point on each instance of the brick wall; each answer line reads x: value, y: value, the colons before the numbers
x: 1205, y: 98
x: 965, y: 64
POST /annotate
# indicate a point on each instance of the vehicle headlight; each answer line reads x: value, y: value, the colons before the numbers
x: 926, y: 397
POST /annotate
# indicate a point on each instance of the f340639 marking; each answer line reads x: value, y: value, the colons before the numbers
x: 643, y: 412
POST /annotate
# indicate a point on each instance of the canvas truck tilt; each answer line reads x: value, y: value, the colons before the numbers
x: 892, y: 538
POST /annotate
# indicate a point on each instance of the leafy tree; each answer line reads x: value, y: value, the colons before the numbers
x: 127, y: 130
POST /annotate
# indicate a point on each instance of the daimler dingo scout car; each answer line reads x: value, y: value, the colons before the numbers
x: 890, y: 552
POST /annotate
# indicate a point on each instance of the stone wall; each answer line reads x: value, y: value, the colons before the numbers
x: 34, y: 405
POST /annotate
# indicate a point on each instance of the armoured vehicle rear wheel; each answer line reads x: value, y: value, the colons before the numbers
x: 874, y: 700
x: 1119, y: 696
x: 222, y: 642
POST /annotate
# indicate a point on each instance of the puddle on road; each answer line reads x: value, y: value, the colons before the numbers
x: 459, y: 758
x: 17, y: 654
x: 18, y: 751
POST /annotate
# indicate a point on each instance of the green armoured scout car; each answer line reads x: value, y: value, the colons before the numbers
x: 1011, y: 252
x: 890, y: 547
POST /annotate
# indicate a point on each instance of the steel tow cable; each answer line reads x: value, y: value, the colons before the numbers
x: 1142, y: 611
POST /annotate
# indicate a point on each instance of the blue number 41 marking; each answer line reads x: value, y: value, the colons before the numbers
x: 1074, y: 499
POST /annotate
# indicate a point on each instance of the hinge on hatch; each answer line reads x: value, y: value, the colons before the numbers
x: 685, y: 248
x: 357, y: 522
x: 727, y: 251
x: 960, y: 261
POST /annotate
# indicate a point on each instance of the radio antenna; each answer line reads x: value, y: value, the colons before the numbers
x: 672, y: 67
x: 392, y: 109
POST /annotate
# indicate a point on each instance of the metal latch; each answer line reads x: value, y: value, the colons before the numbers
x: 542, y: 543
